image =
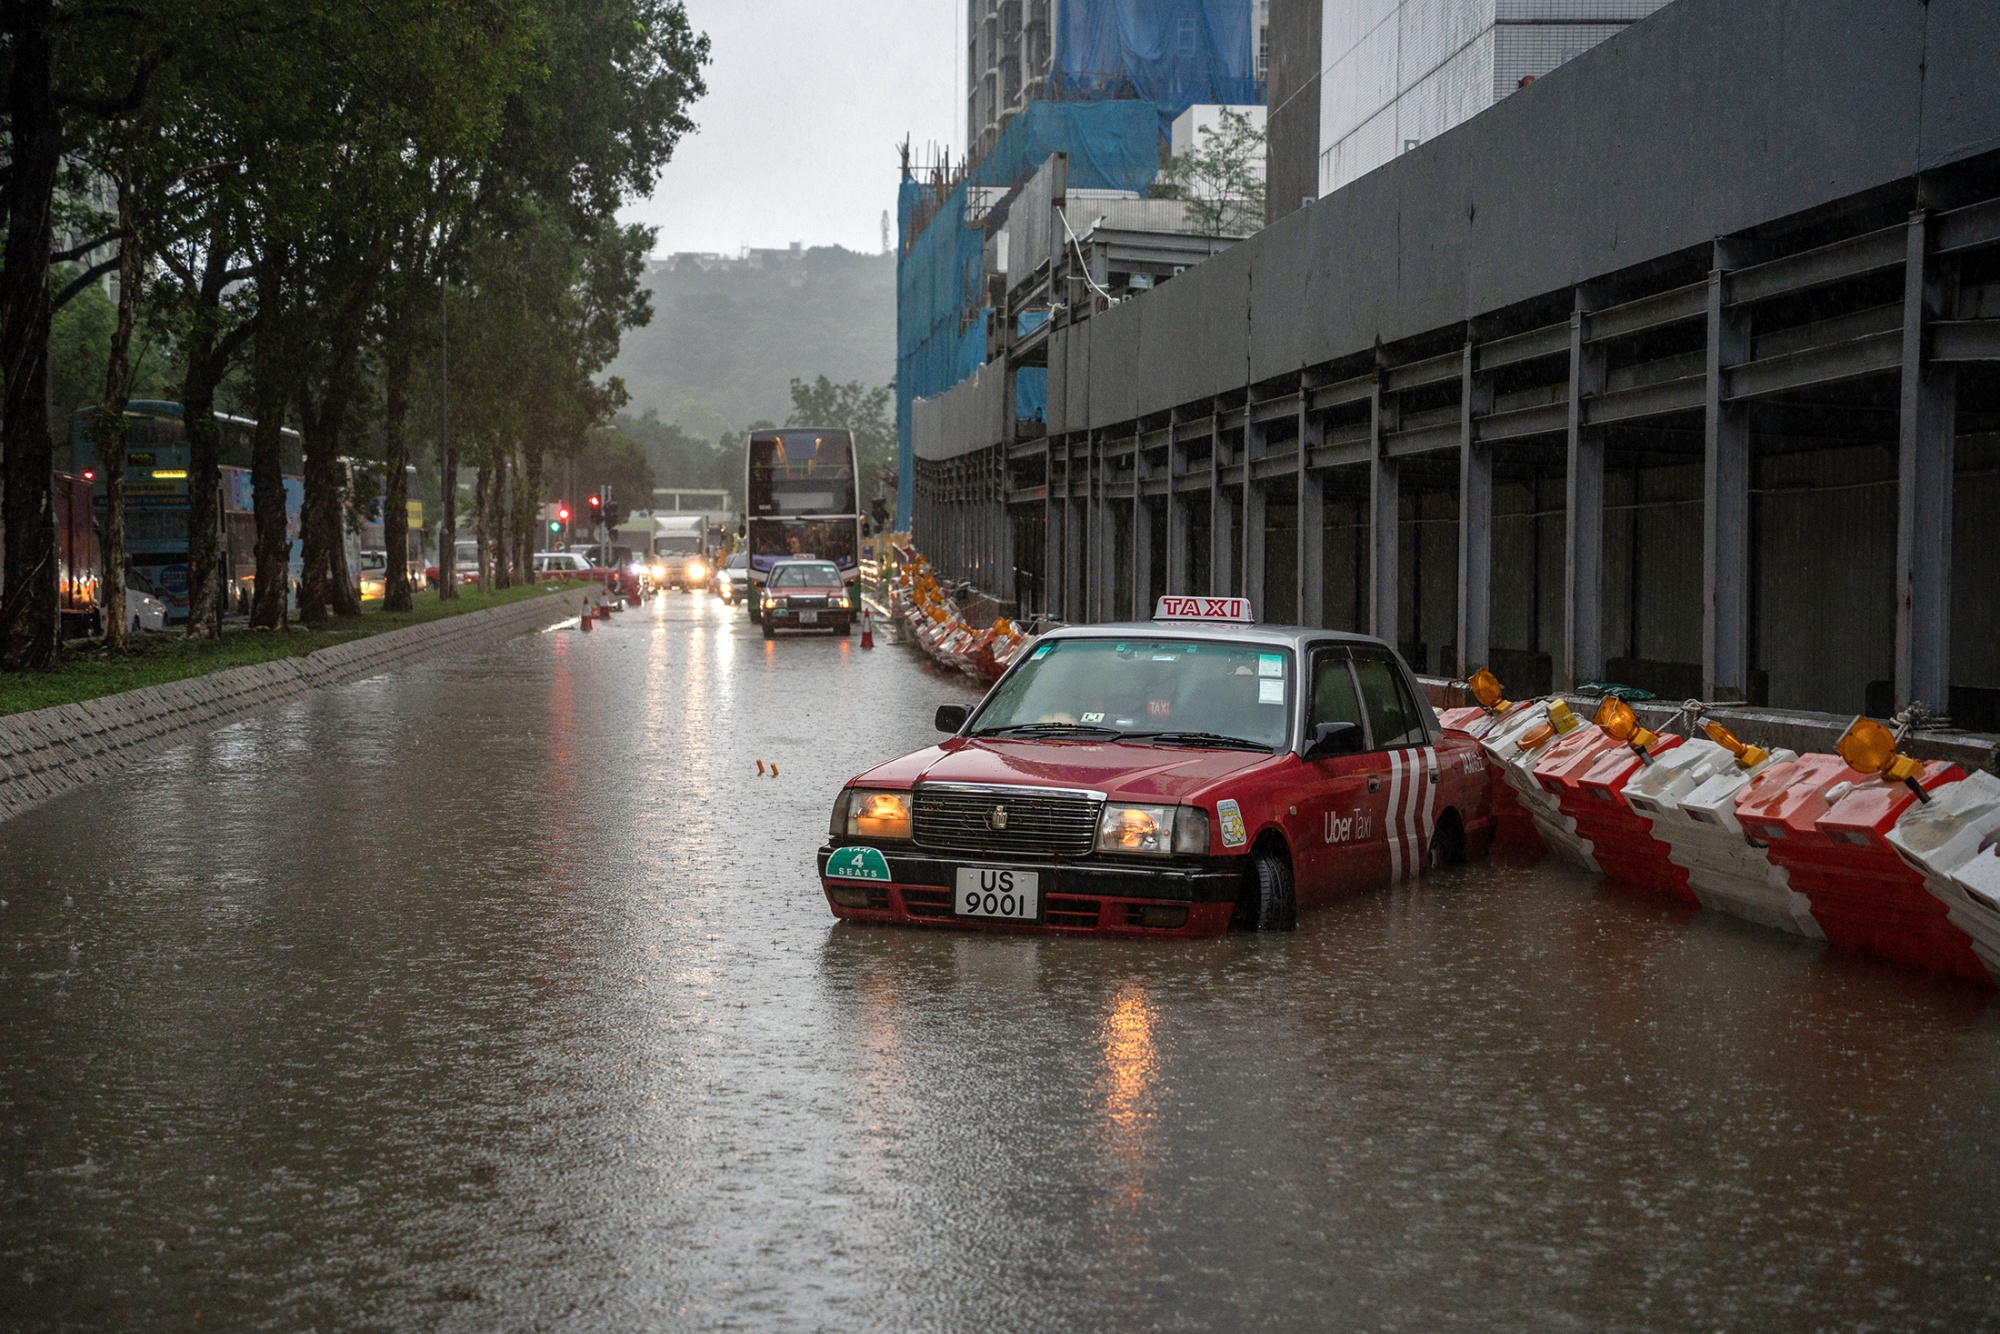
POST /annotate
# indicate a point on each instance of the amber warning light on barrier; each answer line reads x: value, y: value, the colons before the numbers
x: 1870, y: 747
x: 1747, y: 757
x: 1485, y: 687
x: 1615, y: 716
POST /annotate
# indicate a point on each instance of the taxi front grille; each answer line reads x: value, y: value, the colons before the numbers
x: 966, y: 819
x: 806, y: 604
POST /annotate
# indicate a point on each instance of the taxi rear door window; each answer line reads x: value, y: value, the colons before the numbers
x: 1333, y: 697
x: 1392, y: 715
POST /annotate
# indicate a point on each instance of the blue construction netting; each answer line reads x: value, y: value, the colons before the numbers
x: 1172, y: 53
x: 1031, y: 394
x: 940, y: 333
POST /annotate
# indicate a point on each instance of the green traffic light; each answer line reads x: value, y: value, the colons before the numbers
x: 554, y: 527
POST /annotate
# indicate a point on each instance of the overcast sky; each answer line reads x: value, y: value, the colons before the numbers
x: 807, y: 100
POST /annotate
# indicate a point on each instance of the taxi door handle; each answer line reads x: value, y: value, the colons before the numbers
x: 1374, y: 783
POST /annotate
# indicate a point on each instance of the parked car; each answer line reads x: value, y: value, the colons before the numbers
x: 465, y: 563
x: 574, y: 566
x: 143, y: 610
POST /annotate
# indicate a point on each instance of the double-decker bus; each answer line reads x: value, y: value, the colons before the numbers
x: 156, y: 499
x: 801, y: 498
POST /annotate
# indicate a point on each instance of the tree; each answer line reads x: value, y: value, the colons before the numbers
x: 1221, y: 177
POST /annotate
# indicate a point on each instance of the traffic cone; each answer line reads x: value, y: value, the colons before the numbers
x: 583, y: 622
x: 867, y: 628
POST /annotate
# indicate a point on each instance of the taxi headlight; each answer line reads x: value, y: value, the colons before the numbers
x: 841, y: 601
x: 1142, y: 829
x: 865, y: 813
x: 769, y: 602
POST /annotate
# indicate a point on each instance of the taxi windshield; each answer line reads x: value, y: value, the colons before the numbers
x: 801, y: 575
x: 1173, y: 691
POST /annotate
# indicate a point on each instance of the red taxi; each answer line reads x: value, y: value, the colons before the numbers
x: 806, y: 594
x: 1173, y: 778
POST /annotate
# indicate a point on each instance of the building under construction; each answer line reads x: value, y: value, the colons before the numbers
x: 1678, y: 367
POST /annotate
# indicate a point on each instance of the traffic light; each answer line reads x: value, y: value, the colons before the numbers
x: 613, y: 513
x: 555, y: 525
x: 562, y: 513
x: 596, y: 510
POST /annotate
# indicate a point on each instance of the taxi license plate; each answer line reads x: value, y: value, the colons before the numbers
x: 808, y: 618
x: 998, y: 891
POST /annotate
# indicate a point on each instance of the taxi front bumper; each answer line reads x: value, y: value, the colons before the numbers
x: 1176, y: 899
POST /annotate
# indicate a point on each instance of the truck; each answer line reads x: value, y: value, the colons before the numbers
x: 680, y: 551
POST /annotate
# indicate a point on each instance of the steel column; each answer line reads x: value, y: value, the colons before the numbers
x: 1220, y: 520
x: 1253, y: 520
x: 1142, y: 544
x: 1385, y: 527
x: 1924, y: 460
x: 1475, y: 524
x: 1583, y: 514
x: 1725, y: 524
x: 1311, y: 608
x: 1176, y: 536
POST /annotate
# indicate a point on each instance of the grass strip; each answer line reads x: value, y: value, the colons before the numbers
x: 156, y: 659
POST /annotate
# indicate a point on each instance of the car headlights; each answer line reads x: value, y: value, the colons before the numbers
x: 841, y: 602
x: 659, y: 571
x: 770, y: 603
x: 1144, y: 829
x: 1153, y: 831
x: 866, y: 813
x: 696, y: 570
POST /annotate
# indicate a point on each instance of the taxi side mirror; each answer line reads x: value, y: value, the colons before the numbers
x: 1334, y: 739
x: 951, y: 717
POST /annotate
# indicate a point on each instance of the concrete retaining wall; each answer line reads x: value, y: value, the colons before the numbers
x: 51, y: 751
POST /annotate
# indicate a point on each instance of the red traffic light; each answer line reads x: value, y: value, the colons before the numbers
x: 595, y: 502
x: 562, y: 512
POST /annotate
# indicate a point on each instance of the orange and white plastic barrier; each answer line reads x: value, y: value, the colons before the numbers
x: 1954, y: 843
x: 1827, y: 825
x: 1690, y: 798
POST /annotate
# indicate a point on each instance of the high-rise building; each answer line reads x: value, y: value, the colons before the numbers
x: 1394, y: 73
x: 1175, y: 53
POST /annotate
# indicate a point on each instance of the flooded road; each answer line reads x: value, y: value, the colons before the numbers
x: 499, y: 994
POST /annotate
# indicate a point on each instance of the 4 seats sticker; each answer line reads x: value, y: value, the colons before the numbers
x: 857, y: 864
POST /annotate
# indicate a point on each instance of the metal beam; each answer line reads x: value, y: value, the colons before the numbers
x: 1857, y: 256
x: 1583, y: 514
x: 1475, y: 523
x: 1550, y: 340
x: 1965, y: 340
x: 1725, y: 515
x: 1874, y: 354
x: 1924, y: 458
x: 1520, y: 423
x: 1650, y: 312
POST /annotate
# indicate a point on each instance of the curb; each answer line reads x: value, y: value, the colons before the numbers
x: 47, y: 752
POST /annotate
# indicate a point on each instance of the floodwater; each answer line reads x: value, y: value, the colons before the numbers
x: 499, y: 994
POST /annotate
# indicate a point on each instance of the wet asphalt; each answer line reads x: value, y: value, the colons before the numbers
x: 499, y: 994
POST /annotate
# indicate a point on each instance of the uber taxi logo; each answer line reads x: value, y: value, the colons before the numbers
x: 1342, y: 829
x: 1231, y: 816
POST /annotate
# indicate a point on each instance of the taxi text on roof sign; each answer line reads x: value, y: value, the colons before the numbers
x: 1173, y: 608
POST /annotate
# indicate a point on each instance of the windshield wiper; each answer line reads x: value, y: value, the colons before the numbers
x: 1049, y: 729
x: 1215, y: 739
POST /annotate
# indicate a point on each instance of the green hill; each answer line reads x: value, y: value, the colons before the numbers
x: 729, y: 334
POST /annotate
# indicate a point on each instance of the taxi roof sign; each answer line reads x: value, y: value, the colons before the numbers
x: 1233, y: 610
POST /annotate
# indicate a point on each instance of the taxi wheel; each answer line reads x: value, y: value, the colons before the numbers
x: 1447, y: 843
x: 1267, y: 902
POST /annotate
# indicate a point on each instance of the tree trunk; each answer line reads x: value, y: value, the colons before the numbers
x: 448, y: 524
x: 318, y: 524
x: 537, y: 527
x: 525, y: 520
x: 342, y: 580
x: 30, y: 614
x: 482, y: 525
x: 267, y: 460
x: 500, y: 536
x: 396, y: 484
x: 204, y: 442
x: 109, y: 431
